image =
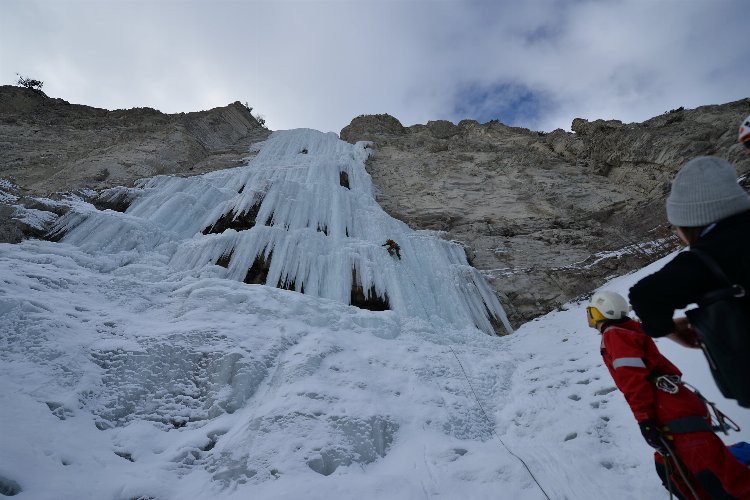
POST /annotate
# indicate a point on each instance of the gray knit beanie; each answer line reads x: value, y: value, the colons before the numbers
x: 705, y: 190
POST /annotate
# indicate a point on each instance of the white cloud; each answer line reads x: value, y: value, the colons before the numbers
x: 319, y: 64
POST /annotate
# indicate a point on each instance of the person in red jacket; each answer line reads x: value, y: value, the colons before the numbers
x: 672, y: 418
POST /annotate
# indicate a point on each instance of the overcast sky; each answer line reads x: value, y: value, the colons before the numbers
x: 320, y: 63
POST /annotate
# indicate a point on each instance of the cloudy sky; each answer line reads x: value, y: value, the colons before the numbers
x: 320, y: 63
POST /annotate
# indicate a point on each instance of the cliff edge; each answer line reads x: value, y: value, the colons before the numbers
x: 48, y: 145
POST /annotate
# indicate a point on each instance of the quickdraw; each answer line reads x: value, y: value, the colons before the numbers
x: 723, y: 422
x: 668, y: 383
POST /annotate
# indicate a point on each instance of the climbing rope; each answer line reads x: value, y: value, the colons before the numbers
x: 492, y: 427
x: 683, y: 475
x: 668, y: 479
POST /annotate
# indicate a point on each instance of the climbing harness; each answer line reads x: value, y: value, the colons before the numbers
x: 719, y: 420
x: 476, y: 398
x: 716, y: 422
x: 685, y: 425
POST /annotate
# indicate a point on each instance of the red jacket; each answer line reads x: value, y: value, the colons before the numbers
x: 632, y: 358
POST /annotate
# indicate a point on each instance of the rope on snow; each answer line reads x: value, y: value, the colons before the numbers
x: 493, y: 427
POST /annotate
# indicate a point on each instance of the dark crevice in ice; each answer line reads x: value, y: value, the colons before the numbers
x: 115, y: 199
x: 258, y: 272
x: 224, y: 260
x: 369, y: 300
x: 497, y: 324
x: 290, y: 285
x: 238, y: 222
x: 344, y: 179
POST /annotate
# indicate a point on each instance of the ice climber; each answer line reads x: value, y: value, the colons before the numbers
x: 393, y: 248
x: 674, y: 420
x: 711, y: 214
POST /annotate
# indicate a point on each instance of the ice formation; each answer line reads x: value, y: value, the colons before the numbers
x: 300, y: 215
x: 135, y: 363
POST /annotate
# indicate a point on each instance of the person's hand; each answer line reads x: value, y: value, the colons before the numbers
x: 684, y: 334
x: 652, y: 435
x: 685, y: 339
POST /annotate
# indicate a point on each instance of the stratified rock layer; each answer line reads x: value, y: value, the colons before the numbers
x: 546, y: 216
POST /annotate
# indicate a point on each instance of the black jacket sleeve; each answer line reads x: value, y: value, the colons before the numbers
x: 656, y: 297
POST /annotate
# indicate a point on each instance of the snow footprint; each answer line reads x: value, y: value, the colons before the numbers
x: 9, y: 487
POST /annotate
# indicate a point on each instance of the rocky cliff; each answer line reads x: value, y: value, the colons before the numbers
x: 546, y: 216
x: 49, y: 146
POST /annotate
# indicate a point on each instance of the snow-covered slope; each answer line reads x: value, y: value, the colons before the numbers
x: 132, y: 366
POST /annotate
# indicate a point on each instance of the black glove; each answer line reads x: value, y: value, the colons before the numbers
x: 652, y: 435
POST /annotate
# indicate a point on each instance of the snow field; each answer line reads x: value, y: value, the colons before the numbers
x: 176, y: 385
x: 293, y: 390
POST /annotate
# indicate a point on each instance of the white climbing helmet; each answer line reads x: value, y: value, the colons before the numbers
x: 608, y: 305
x: 744, y: 135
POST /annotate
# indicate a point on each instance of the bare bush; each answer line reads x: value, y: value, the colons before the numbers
x: 29, y: 83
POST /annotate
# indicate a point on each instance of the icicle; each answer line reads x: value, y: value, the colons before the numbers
x: 288, y: 219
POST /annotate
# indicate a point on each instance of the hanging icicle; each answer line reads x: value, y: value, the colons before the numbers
x: 301, y: 215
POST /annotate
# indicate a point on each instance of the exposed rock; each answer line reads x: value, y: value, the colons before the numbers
x: 442, y: 129
x: 546, y: 217
x: 11, y: 231
x: 49, y: 145
x: 585, y: 127
x: 366, y: 127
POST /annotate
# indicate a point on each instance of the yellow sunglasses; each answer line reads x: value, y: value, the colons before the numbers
x: 593, y: 315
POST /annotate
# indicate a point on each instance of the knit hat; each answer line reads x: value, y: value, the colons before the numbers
x: 705, y: 190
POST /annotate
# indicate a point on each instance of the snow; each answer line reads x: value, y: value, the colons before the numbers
x: 34, y: 218
x: 7, y: 189
x: 131, y: 366
x: 38, y: 219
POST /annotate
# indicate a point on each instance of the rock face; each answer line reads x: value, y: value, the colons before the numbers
x: 48, y: 145
x: 546, y: 216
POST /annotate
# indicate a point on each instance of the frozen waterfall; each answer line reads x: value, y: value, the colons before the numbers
x: 136, y: 363
x: 300, y: 215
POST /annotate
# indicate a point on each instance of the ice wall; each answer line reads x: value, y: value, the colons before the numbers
x: 300, y: 215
